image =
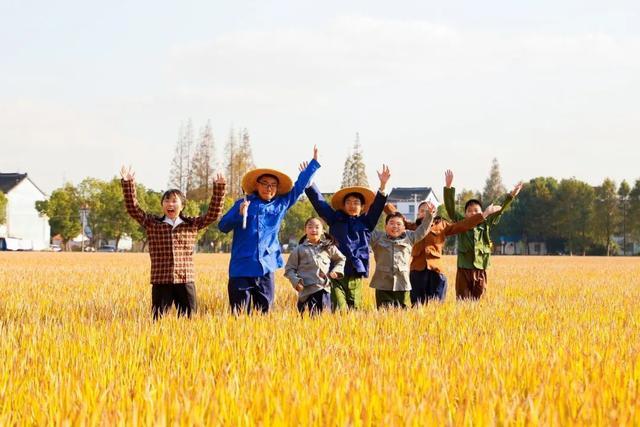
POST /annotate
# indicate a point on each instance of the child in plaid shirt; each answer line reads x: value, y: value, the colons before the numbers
x: 172, y: 238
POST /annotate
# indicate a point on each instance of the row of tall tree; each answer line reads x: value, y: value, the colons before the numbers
x: 570, y: 216
x: 195, y: 161
x: 193, y: 165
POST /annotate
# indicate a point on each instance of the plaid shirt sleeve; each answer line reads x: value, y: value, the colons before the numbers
x: 131, y: 203
x: 215, y: 207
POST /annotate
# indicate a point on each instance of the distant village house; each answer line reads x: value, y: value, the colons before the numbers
x: 25, y: 228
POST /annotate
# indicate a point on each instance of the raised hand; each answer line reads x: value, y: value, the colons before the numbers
x: 384, y: 176
x: 127, y: 174
x: 516, y: 189
x: 491, y: 209
x: 431, y: 208
x: 302, y: 166
x: 448, y: 178
x: 219, y: 179
x: 315, y: 153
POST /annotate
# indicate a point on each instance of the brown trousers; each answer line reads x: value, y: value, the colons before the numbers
x: 470, y: 283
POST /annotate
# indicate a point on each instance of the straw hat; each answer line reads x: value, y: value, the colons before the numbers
x: 250, y: 180
x: 337, y: 201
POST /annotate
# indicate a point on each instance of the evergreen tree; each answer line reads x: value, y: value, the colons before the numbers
x: 359, y: 176
x: 607, y: 213
x: 623, y: 194
x: 494, y: 190
x: 346, y: 172
x: 633, y: 216
x: 572, y: 215
x: 354, y: 172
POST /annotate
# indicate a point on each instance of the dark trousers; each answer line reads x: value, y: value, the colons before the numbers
x: 470, y: 283
x: 392, y: 299
x: 163, y: 296
x: 316, y: 303
x: 247, y: 293
x: 427, y: 285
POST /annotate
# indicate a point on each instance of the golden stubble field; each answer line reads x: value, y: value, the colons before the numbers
x: 555, y: 341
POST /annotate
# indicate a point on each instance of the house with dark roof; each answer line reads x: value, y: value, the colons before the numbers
x: 24, y: 228
x: 407, y: 199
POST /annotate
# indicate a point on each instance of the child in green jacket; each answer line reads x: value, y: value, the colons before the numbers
x: 474, y: 246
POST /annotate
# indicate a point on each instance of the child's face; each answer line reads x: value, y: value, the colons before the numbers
x: 422, y: 210
x: 395, y: 227
x: 472, y: 210
x: 352, y: 206
x: 267, y: 187
x: 313, y: 230
x: 172, y: 206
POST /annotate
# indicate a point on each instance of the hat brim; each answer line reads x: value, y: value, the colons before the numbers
x: 337, y: 200
x: 250, y: 180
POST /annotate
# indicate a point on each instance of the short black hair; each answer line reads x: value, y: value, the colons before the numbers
x: 264, y: 175
x: 174, y: 192
x: 393, y: 215
x: 472, y: 202
x: 354, y: 194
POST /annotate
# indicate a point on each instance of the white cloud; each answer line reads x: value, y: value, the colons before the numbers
x: 424, y: 96
x: 396, y: 81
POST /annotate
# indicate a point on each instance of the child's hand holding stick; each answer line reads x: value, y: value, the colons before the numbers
x: 244, y: 209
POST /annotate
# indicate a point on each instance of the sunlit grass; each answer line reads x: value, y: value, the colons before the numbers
x: 555, y: 341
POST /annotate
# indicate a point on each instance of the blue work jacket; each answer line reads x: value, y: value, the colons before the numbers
x: 255, y: 251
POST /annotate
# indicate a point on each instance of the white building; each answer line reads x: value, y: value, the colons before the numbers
x: 407, y: 199
x: 25, y: 228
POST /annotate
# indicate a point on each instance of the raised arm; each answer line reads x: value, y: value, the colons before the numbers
x: 321, y: 206
x: 215, y: 205
x: 304, y: 178
x: 130, y: 198
x: 463, y: 225
x: 424, y: 227
x: 508, y: 199
x: 389, y: 209
x: 377, y: 207
x: 450, y: 197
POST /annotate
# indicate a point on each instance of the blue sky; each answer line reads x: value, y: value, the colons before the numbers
x: 549, y: 88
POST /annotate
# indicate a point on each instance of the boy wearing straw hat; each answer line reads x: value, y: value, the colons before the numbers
x: 255, y: 222
x: 352, y: 217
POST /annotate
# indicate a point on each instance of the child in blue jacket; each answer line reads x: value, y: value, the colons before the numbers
x: 352, y: 216
x: 255, y: 249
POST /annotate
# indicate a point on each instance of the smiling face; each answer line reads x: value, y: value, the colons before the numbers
x: 172, y: 205
x: 394, y: 227
x: 313, y: 229
x: 472, y: 209
x: 267, y: 187
x: 422, y: 210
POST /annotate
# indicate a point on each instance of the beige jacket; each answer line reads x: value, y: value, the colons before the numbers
x: 393, y: 257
